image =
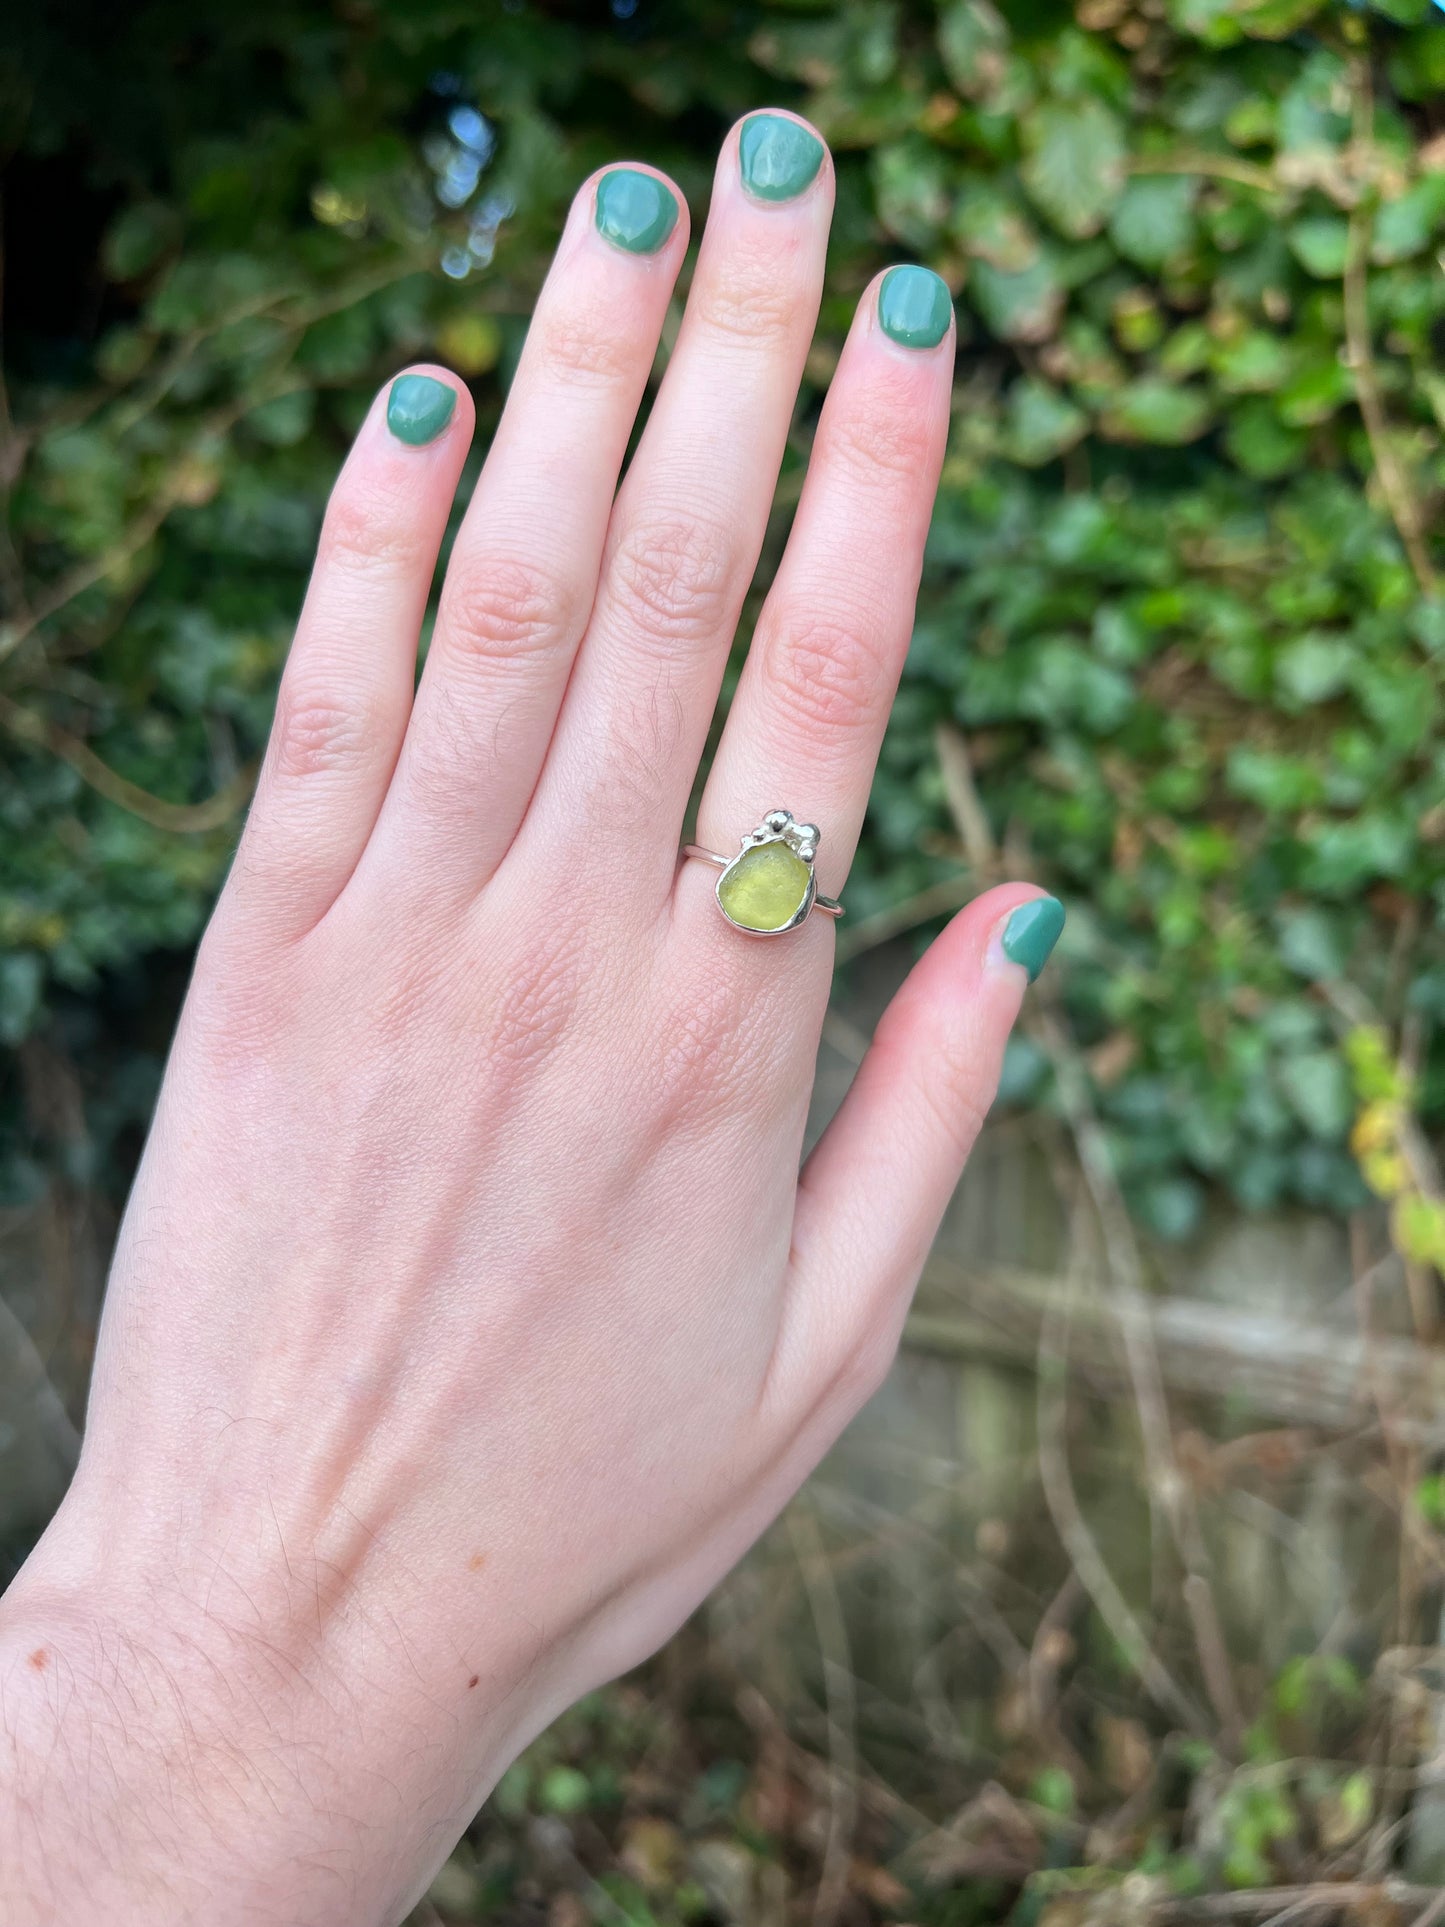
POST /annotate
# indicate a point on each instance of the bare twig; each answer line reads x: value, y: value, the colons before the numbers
x: 1169, y: 1490
x: 1216, y: 167
x: 964, y: 805
x: 838, y: 1688
x: 26, y: 726
x: 1405, y: 509
x: 951, y: 893
x: 1352, y: 1899
x: 1079, y: 1542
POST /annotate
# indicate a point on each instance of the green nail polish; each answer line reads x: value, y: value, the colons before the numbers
x: 634, y: 211
x: 1031, y: 933
x: 419, y: 408
x: 914, y: 307
x: 778, y: 158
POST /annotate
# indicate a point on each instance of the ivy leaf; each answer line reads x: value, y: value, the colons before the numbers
x: 1275, y: 19
x: 1041, y: 423
x: 1406, y: 226
x: 1313, y: 669
x: 1317, y: 1085
x: 911, y: 192
x: 1074, y: 164
x: 1171, y: 1208
x: 1153, y: 223
x: 1157, y: 411
x: 1321, y: 246
x: 1018, y: 307
x: 1261, y: 443
x: 137, y: 239
x: 973, y: 45
x: 993, y: 228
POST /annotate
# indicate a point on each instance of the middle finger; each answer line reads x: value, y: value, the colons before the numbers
x: 689, y: 520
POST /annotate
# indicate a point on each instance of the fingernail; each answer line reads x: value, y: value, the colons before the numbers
x: 914, y: 307
x: 419, y: 408
x: 777, y: 157
x: 634, y: 210
x: 1031, y: 933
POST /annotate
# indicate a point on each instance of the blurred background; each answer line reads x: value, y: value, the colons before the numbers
x: 1122, y: 1603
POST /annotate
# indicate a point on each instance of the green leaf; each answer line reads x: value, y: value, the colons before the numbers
x: 1313, y: 668
x: 1261, y: 443
x: 912, y: 192
x: 1274, y: 19
x: 1255, y: 363
x: 1321, y: 245
x: 1311, y: 943
x: 1172, y: 1208
x: 22, y: 978
x: 1153, y: 223
x: 1073, y: 164
x: 1159, y: 412
x: 972, y: 43
x: 993, y: 228
x: 1018, y: 307
x: 138, y: 237
x: 1041, y: 423
x: 285, y: 420
x: 564, y: 1790
x: 1406, y: 226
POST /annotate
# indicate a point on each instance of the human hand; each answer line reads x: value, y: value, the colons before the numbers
x: 470, y: 1317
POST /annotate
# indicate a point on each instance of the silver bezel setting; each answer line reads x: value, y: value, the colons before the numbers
x: 802, y: 839
x: 776, y: 827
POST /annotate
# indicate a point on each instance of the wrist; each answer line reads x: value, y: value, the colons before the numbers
x: 161, y: 1763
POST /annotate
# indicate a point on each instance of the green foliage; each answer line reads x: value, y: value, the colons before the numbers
x: 1179, y: 601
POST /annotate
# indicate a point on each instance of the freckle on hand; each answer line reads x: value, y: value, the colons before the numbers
x: 39, y: 1658
x: 473, y: 1681
x: 476, y: 1562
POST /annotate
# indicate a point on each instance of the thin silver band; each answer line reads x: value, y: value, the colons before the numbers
x: 829, y: 906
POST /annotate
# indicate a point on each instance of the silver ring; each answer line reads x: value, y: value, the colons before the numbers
x: 768, y: 887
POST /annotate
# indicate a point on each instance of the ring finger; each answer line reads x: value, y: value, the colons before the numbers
x: 808, y: 717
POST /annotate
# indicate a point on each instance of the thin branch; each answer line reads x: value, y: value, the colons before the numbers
x: 1354, y: 1899
x: 1217, y: 167
x: 951, y: 893
x: 1079, y: 1542
x: 1168, y: 1487
x: 1405, y: 509
x: 26, y: 726
x: 842, y: 1707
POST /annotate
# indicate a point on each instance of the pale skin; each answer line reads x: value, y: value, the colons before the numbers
x: 471, y: 1316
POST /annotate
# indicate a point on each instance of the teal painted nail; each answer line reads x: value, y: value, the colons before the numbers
x: 914, y: 307
x: 777, y: 157
x: 1031, y: 933
x: 634, y: 211
x: 419, y: 408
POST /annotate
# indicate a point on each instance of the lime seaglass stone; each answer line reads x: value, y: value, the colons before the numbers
x: 764, y: 888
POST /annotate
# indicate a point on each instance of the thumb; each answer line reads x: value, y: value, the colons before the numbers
x: 876, y: 1186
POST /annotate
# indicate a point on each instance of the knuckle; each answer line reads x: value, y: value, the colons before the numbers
x: 585, y: 353
x: 505, y: 609
x: 673, y: 578
x: 702, y: 1068
x: 317, y: 733
x: 888, y: 437
x: 743, y: 303
x: 536, y: 1005
x: 367, y: 531
x: 824, y: 675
